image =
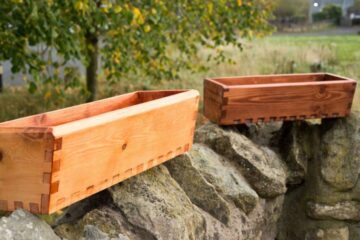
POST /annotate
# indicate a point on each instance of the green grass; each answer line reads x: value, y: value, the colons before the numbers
x: 272, y: 55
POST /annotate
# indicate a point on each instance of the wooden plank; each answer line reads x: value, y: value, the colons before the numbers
x: 74, y: 113
x: 288, y: 102
x: 23, y: 165
x: 104, y: 150
x: 91, y: 147
x: 213, y: 100
x: 277, y: 97
x: 146, y: 96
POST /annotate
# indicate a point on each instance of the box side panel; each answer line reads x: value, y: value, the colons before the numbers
x: 213, y: 100
x: 288, y: 102
x: 74, y: 113
x: 25, y: 169
x: 96, y: 158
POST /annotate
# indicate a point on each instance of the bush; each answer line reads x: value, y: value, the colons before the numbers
x: 329, y: 13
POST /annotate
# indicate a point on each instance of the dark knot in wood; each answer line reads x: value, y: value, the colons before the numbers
x: 124, y: 146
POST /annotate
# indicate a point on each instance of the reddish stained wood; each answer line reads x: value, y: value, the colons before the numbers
x: 278, y: 97
x: 52, y: 160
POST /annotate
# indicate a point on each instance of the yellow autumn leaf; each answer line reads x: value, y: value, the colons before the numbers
x: 239, y: 2
x: 47, y: 95
x: 136, y: 12
x: 81, y: 5
x: 210, y: 7
x: 104, y: 9
x: 138, y: 18
x: 117, y: 9
x: 147, y: 28
x: 116, y: 57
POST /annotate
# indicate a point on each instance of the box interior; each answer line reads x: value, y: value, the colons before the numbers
x: 87, y: 110
x: 277, y: 79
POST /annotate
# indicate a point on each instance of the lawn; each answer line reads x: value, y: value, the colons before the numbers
x: 271, y: 55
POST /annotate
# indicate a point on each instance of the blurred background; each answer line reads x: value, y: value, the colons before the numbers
x: 296, y: 36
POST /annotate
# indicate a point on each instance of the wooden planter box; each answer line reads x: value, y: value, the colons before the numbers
x: 52, y: 160
x: 234, y: 100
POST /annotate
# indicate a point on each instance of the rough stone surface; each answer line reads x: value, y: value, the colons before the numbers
x: 296, y: 148
x: 79, y: 209
x: 107, y: 219
x: 226, y: 178
x: 262, y: 134
x: 229, y: 186
x: 93, y: 233
x: 328, y: 234
x: 348, y: 210
x: 21, y: 225
x: 326, y: 204
x: 340, y: 159
x: 201, y: 193
x: 259, y: 165
x: 155, y: 202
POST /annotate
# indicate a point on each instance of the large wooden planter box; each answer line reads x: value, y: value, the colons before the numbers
x: 234, y: 100
x: 51, y: 160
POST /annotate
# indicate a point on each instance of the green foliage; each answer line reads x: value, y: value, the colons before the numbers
x: 297, y: 10
x: 279, y: 53
x: 154, y: 37
x: 330, y: 12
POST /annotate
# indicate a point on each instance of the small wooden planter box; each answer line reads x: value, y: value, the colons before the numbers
x: 52, y: 160
x: 234, y: 100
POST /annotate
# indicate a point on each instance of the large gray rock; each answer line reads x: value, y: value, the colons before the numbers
x: 296, y: 145
x: 105, y: 221
x: 154, y: 202
x: 259, y: 165
x: 225, y: 177
x: 22, y: 225
x: 200, y: 192
x: 347, y: 210
x: 341, y: 233
x: 93, y: 233
x: 340, y: 152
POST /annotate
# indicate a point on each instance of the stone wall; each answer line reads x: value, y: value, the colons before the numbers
x: 262, y: 182
x: 327, y: 204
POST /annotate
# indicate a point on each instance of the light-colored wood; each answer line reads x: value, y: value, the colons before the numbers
x: 278, y: 98
x: 78, y: 158
x: 24, y: 168
x: 78, y: 112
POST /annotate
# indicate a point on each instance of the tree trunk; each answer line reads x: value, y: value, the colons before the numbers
x: 1, y: 79
x: 92, y: 67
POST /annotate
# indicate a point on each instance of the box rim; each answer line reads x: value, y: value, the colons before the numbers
x: 181, y: 93
x: 104, y: 118
x: 228, y: 87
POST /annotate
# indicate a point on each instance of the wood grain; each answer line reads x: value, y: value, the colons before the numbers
x: 23, y: 166
x: 46, y: 168
x: 290, y: 98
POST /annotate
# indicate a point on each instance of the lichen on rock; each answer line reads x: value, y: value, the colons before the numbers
x: 22, y: 225
x: 156, y: 203
x: 340, y: 152
x: 259, y: 165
